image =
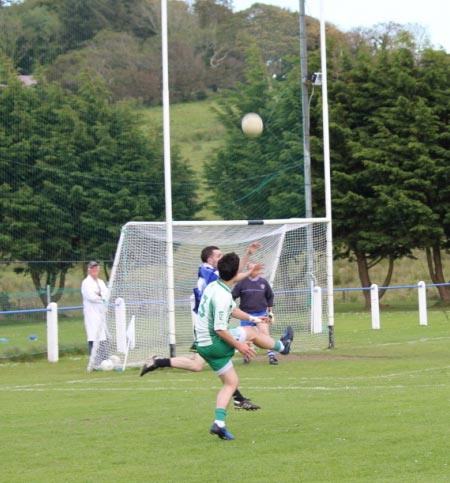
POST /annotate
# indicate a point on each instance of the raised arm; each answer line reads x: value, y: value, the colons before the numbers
x: 250, y: 251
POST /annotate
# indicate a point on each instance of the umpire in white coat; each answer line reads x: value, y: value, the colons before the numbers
x: 94, y: 293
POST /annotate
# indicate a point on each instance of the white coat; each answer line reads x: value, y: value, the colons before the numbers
x: 94, y: 293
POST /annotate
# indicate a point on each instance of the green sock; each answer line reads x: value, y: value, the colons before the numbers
x: 278, y: 346
x: 221, y: 414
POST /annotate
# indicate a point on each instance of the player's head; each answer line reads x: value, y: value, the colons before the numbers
x: 256, y: 269
x: 211, y: 255
x: 228, y: 266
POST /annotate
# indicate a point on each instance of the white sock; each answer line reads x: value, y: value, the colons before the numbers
x: 221, y: 424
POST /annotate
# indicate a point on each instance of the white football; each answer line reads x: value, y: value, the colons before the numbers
x: 115, y: 360
x: 107, y: 365
x: 252, y: 125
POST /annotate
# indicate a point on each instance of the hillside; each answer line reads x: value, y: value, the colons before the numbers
x: 194, y: 129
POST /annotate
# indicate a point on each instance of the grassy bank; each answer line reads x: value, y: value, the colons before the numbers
x: 194, y: 130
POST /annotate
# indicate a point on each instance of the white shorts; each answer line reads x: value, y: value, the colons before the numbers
x: 239, y: 333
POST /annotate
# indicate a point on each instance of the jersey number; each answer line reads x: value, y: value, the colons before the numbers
x: 201, y: 309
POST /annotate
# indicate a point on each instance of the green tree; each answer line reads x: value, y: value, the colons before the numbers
x: 383, y: 136
x: 83, y: 19
x: 11, y: 31
x: 434, y: 78
x: 283, y: 42
x: 131, y: 70
x: 75, y: 168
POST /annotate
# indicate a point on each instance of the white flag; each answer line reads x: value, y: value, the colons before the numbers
x: 131, y: 336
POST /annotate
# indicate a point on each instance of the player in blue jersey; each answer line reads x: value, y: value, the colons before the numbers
x: 256, y: 298
x: 217, y: 343
x: 207, y: 273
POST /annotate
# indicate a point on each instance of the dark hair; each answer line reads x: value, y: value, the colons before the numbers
x: 228, y: 266
x: 207, y: 252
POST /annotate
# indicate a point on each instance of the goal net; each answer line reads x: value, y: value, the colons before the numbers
x: 138, y: 312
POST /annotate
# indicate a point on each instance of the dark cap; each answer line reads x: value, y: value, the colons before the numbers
x: 92, y: 264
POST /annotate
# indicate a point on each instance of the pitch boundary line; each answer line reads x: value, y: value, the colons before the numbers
x: 214, y: 388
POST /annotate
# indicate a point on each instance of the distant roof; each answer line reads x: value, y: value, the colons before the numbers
x: 28, y: 80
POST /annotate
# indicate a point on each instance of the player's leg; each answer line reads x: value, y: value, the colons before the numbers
x: 246, y: 323
x: 283, y: 346
x: 242, y: 402
x: 264, y: 329
x: 230, y: 383
x: 219, y: 356
x: 196, y: 363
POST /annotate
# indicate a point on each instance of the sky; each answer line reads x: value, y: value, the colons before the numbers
x: 433, y: 15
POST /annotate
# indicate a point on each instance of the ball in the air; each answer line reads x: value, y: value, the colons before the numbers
x: 33, y: 337
x: 252, y: 125
x: 107, y: 365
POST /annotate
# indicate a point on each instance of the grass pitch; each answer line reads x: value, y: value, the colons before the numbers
x: 374, y: 409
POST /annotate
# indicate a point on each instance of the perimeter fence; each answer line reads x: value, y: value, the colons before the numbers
x: 53, y: 313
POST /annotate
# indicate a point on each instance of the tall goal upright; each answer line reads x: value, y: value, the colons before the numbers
x: 294, y: 254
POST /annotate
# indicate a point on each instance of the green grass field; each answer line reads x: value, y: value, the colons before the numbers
x: 374, y: 409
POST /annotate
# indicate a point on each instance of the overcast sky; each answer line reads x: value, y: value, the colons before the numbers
x: 433, y: 15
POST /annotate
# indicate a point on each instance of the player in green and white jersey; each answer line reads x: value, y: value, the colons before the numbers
x: 216, y: 342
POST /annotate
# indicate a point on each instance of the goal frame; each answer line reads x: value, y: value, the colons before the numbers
x: 170, y: 269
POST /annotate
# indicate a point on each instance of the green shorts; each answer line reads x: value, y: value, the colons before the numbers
x: 219, y: 353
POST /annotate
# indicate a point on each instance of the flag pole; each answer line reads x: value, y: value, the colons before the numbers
x: 126, y: 357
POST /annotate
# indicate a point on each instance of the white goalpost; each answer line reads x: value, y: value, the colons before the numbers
x: 138, y: 322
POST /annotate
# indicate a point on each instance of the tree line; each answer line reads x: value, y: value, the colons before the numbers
x: 72, y: 151
x: 120, y: 42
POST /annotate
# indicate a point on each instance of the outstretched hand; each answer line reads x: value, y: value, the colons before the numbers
x: 253, y: 247
x: 246, y: 349
x: 260, y: 319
